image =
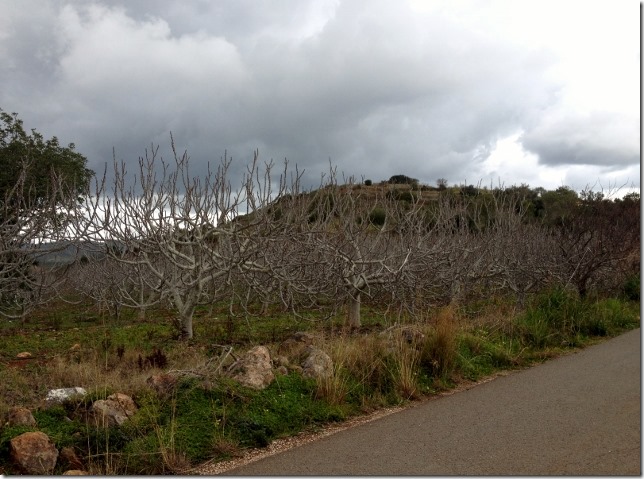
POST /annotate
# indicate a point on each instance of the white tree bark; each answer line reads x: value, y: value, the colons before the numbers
x: 183, y: 236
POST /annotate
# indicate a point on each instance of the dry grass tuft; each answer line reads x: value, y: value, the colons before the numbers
x: 93, y: 373
x: 405, y: 360
x: 358, y: 357
x: 439, y: 352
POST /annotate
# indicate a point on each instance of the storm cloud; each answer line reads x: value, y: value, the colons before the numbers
x: 376, y: 88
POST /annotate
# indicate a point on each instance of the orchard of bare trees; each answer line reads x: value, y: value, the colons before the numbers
x: 159, y: 237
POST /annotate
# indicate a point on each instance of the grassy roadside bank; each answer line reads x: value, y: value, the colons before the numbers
x: 207, y: 416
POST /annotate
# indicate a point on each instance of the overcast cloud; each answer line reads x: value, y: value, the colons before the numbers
x: 543, y: 92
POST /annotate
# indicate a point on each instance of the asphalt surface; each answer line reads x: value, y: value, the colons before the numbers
x: 576, y: 415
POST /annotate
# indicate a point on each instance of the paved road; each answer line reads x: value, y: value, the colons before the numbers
x: 577, y: 415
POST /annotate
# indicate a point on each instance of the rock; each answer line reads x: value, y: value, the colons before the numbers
x: 75, y: 472
x: 317, y: 363
x: 34, y: 453
x: 254, y: 369
x: 114, y: 410
x: 75, y: 347
x: 294, y: 344
x: 59, y: 396
x: 20, y: 416
x: 162, y: 383
x: 24, y: 355
x: 69, y: 459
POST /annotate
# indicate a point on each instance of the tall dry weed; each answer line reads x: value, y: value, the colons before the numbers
x: 440, y: 350
x: 357, y: 363
x: 92, y: 374
x: 405, y: 361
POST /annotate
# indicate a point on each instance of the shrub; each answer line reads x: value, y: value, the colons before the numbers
x: 398, y: 195
x: 469, y: 190
x: 631, y: 288
x: 377, y: 216
x: 402, y: 180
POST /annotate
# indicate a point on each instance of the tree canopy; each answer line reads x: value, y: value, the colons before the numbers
x: 402, y: 180
x: 40, y: 168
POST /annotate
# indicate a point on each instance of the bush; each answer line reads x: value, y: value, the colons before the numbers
x: 469, y: 190
x: 377, y: 216
x: 398, y: 195
x: 631, y: 288
x: 402, y: 180
x: 368, y: 182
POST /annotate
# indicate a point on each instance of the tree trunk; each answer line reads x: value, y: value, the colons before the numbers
x: 186, y: 326
x: 354, y: 311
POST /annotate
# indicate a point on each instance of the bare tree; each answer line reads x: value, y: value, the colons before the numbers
x: 521, y: 253
x: 598, y: 240
x: 349, y: 243
x: 184, y: 237
x: 180, y: 241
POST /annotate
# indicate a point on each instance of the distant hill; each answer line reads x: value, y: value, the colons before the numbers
x: 62, y: 253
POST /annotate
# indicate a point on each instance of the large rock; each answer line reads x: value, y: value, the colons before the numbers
x: 254, y: 369
x: 34, y: 453
x: 316, y: 363
x: 20, y: 416
x: 113, y: 411
x: 59, y: 396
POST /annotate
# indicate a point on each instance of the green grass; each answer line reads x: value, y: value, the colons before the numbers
x: 558, y: 318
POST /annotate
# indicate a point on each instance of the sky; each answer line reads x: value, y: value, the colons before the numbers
x: 498, y: 92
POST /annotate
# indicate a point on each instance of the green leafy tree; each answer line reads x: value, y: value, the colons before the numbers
x: 42, y: 168
x: 558, y: 205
